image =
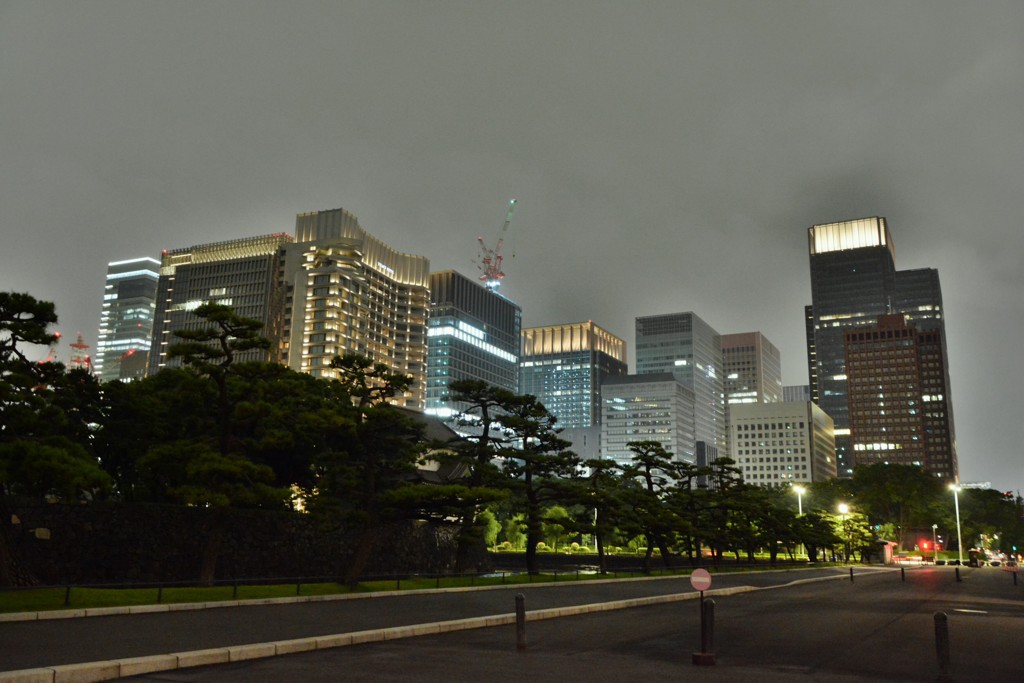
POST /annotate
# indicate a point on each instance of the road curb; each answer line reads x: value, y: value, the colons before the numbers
x: 89, y: 672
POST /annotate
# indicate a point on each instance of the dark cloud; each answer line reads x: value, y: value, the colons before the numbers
x: 667, y: 156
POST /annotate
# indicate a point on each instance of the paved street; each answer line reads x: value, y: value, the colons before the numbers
x: 877, y: 628
x: 874, y: 628
x: 52, y: 642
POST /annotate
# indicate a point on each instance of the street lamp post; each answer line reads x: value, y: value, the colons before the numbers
x: 800, y: 490
x: 956, y: 502
x: 935, y: 547
x: 844, y: 510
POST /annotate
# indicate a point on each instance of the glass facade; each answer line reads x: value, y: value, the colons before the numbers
x: 240, y: 273
x: 752, y: 367
x: 854, y: 281
x: 652, y: 407
x: 126, y: 320
x: 474, y: 334
x: 686, y: 346
x: 565, y: 365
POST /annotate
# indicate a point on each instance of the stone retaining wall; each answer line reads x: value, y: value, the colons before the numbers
x: 116, y: 542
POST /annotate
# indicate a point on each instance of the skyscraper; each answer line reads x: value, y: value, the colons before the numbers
x: 652, y: 407
x: 349, y: 292
x: 853, y: 282
x: 752, y: 367
x: 565, y: 365
x: 473, y: 333
x: 900, y: 410
x: 777, y: 444
x: 242, y: 273
x: 689, y: 348
x: 126, y: 319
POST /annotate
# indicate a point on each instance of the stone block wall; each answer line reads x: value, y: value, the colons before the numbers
x: 108, y: 542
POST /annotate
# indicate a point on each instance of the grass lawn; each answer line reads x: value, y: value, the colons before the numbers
x: 46, y: 599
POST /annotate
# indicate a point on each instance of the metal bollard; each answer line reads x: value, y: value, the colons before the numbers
x: 851, y: 574
x: 234, y: 590
x: 67, y: 596
x: 942, y: 645
x: 903, y: 573
x: 520, y: 622
x: 706, y: 656
x: 958, y: 574
x: 160, y: 593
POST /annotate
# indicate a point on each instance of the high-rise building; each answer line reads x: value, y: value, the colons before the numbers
x: 349, y: 292
x: 564, y: 366
x: 689, y: 348
x: 752, y: 368
x: 242, y: 273
x: 126, y: 319
x: 652, y: 407
x: 899, y: 397
x: 796, y: 392
x: 473, y: 334
x: 853, y: 282
x: 777, y: 444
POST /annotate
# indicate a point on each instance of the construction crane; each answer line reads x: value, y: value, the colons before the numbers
x: 490, y: 259
x: 51, y: 351
x: 80, y: 357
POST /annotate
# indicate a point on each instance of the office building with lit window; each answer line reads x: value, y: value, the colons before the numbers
x: 242, y: 273
x: 565, y: 365
x: 126, y: 319
x: 473, y: 334
x: 898, y: 395
x: 689, y: 348
x: 780, y: 444
x: 349, y: 292
x: 652, y: 407
x: 752, y: 367
x: 854, y: 281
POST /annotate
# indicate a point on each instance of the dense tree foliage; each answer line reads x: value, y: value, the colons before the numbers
x: 220, y: 433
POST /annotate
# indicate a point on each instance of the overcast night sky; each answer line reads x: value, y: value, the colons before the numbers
x: 667, y: 156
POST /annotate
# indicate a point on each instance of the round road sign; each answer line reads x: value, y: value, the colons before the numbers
x: 700, y: 579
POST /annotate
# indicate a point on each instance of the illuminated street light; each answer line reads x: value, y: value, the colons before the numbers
x: 800, y: 491
x: 956, y: 502
x: 935, y: 547
x: 844, y: 510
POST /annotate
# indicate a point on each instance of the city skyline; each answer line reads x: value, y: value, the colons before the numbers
x: 664, y: 158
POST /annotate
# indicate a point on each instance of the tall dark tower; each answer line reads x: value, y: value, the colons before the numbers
x: 854, y: 282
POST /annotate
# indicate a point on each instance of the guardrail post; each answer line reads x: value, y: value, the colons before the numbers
x: 520, y: 622
x: 942, y: 645
x: 706, y: 656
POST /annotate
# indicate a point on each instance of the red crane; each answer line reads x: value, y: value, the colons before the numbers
x: 490, y: 259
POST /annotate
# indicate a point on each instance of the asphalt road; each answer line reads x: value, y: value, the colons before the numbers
x: 31, y: 644
x: 876, y: 628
